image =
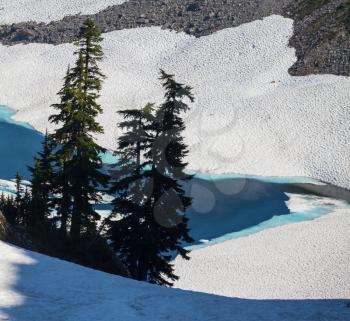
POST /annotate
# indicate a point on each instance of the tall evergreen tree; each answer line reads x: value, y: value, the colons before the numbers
x: 42, y: 185
x: 133, y: 189
x: 153, y: 228
x: 169, y: 200
x: 62, y: 154
x: 77, y: 151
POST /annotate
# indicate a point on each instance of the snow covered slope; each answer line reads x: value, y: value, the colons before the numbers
x: 306, y: 260
x: 34, y: 287
x: 250, y: 115
x: 48, y: 10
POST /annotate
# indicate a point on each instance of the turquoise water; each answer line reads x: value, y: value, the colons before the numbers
x: 18, y: 144
x: 267, y: 179
x: 234, y: 205
x: 278, y: 220
x: 5, y: 117
x: 109, y: 158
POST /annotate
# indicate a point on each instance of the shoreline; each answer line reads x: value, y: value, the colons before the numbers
x: 305, y: 260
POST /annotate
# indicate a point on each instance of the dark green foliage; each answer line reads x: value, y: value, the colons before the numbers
x: 16, y: 208
x: 41, y: 186
x: 150, y: 198
x: 77, y: 154
x: 148, y: 225
x: 169, y: 199
x: 56, y: 216
x: 133, y: 187
x: 9, y: 209
x: 20, y: 203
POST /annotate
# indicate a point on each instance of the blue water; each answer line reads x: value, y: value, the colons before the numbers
x: 235, y: 205
x: 266, y: 179
x: 18, y: 144
x: 274, y: 221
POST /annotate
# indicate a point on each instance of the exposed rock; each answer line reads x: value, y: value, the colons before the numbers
x: 321, y: 36
x: 321, y: 26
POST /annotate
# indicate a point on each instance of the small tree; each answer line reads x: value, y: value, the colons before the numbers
x: 78, y: 153
x: 19, y: 219
x: 42, y: 186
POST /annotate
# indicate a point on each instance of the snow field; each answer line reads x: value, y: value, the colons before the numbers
x: 49, y: 10
x: 305, y: 260
x: 250, y: 115
x: 33, y: 286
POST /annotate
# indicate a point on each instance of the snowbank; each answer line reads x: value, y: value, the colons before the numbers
x: 250, y: 116
x: 33, y: 286
x: 306, y: 260
x: 48, y: 10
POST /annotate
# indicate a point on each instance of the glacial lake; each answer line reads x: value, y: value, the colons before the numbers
x: 225, y: 206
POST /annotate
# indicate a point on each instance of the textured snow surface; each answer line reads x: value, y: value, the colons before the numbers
x: 306, y: 260
x: 12, y: 11
x: 34, y: 287
x: 250, y: 115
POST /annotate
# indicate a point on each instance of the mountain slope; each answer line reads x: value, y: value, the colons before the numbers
x: 34, y: 287
x: 305, y: 260
x: 250, y: 115
x: 321, y: 35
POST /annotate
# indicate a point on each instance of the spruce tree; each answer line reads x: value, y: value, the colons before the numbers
x: 154, y: 227
x: 42, y: 185
x: 19, y: 219
x: 169, y: 200
x: 19, y: 188
x: 8, y: 208
x: 77, y: 151
x: 62, y: 154
x: 133, y: 189
x: 24, y: 207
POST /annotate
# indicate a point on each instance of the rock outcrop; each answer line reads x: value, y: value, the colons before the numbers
x: 321, y: 37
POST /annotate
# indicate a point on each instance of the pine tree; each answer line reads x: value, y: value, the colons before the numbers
x: 152, y: 230
x: 42, y: 185
x: 78, y: 153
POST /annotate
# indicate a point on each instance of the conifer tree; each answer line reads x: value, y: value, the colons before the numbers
x: 78, y: 153
x: 24, y: 207
x: 42, y: 185
x: 62, y: 154
x: 168, y: 174
x: 152, y: 230
x: 133, y: 189
x: 19, y: 219
x: 8, y: 208
x: 19, y: 188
